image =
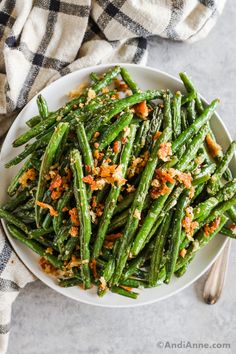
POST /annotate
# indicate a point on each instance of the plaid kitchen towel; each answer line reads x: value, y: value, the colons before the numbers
x: 42, y: 40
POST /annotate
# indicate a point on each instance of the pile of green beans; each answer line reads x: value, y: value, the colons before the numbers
x: 120, y: 188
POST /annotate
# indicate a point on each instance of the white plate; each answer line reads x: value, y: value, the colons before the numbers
x: 55, y: 95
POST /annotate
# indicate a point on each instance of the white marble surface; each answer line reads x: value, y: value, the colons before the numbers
x: 44, y: 322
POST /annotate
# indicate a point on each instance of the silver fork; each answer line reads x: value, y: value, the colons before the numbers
x: 216, y: 278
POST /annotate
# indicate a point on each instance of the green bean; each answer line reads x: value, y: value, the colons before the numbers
x: 204, y: 175
x: 124, y: 292
x: 124, y: 204
x: 176, y: 115
x: 94, y: 77
x: 203, y: 209
x: 138, y: 262
x: 188, y: 98
x: 106, y: 275
x: 84, y: 215
x: 181, y: 271
x: 118, y: 107
x: 191, y: 112
x: 201, y: 240
x: 167, y: 117
x: 33, y: 121
x: 199, y: 107
x: 21, y: 197
x: 137, y: 205
x: 149, y: 221
x: 34, y: 246
x: 56, y: 116
x: 15, y: 183
x: 228, y: 232
x: 194, y: 127
x: 86, y: 152
x: 62, y: 236
x: 13, y: 220
x: 69, y: 282
x: 113, y: 130
x: 214, y: 185
x: 184, y: 122
x: 39, y: 232
x: 134, y: 283
x: 192, y: 148
x: 129, y: 81
x: 155, y: 125
x: 27, y: 216
x: 141, y: 137
x: 175, y: 236
x: 113, y: 194
x: 63, y: 201
x: 232, y: 214
x: 47, y: 162
x: 218, y: 211
x: 30, y: 149
x: 42, y: 107
x: 156, y: 257
x: 47, y: 221
x: 118, y: 221
x: 84, y: 145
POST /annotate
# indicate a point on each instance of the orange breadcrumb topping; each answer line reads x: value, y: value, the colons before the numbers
x: 74, y: 216
x: 103, y: 285
x: 108, y: 244
x: 191, y: 192
x: 94, y: 202
x: 48, y: 267
x: 120, y: 85
x: 130, y: 188
x: 107, y: 170
x: 56, y: 184
x: 213, y: 147
x: 30, y: 174
x: 183, y: 252
x: 185, y: 178
x: 105, y: 174
x: 116, y: 147
x: 49, y: 250
x: 156, y: 135
x: 96, y: 135
x: 141, y: 109
x: 77, y: 91
x: 210, y: 228
x: 105, y: 90
x: 99, y: 210
x: 88, y: 168
x: 74, y: 230
x: 138, y: 164
x: 128, y: 288
x: 90, y: 180
x: 56, y: 194
x: 164, y: 176
x: 52, y: 211
x: 113, y: 237
x: 188, y: 224
x: 93, y: 266
x: 232, y: 227
x: 164, y: 151
x: 74, y: 262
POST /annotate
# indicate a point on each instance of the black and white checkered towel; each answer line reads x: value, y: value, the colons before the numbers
x: 42, y: 40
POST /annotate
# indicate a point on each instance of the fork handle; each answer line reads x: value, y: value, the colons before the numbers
x: 216, y: 278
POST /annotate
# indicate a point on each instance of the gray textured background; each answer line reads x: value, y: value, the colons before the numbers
x: 44, y: 322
